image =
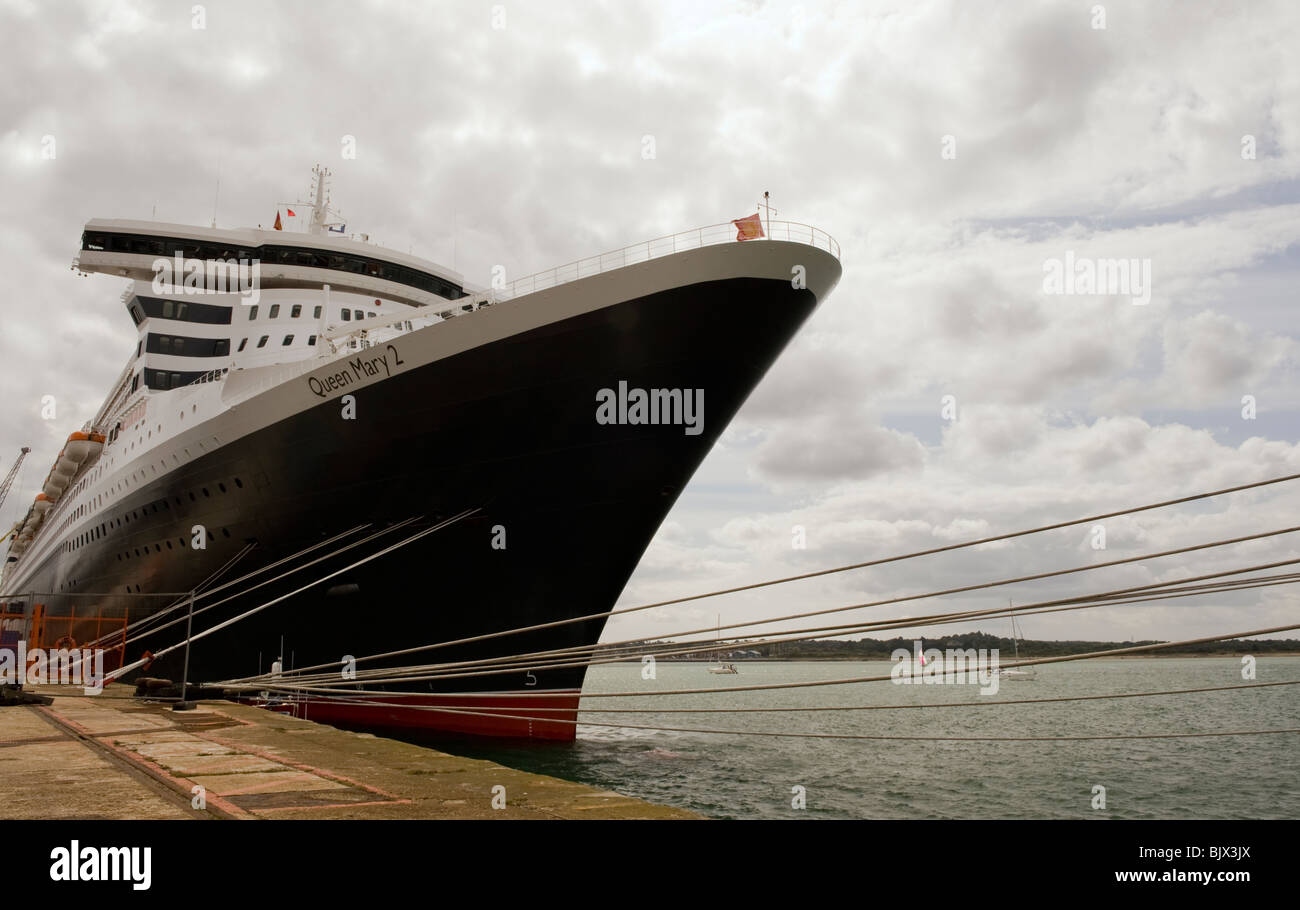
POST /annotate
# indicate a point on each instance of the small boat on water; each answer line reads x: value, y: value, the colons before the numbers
x: 1017, y: 673
x: 718, y: 667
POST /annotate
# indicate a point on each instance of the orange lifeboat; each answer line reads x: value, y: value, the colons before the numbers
x: 77, y: 448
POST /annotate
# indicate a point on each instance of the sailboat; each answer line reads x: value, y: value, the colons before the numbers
x: 1018, y: 673
x: 718, y: 666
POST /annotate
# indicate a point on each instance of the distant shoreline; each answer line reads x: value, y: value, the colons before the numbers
x: 865, y: 660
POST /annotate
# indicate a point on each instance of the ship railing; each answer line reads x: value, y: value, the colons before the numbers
x: 210, y: 376
x: 726, y: 232
x: 646, y: 250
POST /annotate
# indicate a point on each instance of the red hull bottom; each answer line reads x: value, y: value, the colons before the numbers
x: 505, y: 715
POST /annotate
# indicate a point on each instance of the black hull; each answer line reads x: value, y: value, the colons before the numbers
x: 508, y: 428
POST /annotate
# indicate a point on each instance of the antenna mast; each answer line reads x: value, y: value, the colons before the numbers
x: 320, y: 205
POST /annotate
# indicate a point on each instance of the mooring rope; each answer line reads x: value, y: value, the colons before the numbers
x: 311, y: 584
x: 677, y: 649
x: 261, y: 584
x: 805, y: 684
x: 436, y: 671
x: 804, y: 615
x: 860, y: 565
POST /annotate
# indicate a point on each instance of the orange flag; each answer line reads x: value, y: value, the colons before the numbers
x: 277, y: 220
x: 750, y: 228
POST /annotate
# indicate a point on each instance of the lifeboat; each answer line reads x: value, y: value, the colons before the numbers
x: 76, y: 448
x: 55, y: 485
x: 81, y: 446
x: 66, y: 464
x: 36, y: 517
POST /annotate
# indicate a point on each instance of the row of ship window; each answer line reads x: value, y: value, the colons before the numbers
x: 146, y: 245
x: 288, y: 340
x: 186, y: 311
x: 295, y: 310
x: 100, y: 531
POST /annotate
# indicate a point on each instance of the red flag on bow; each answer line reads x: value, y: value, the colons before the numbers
x: 291, y: 214
x: 277, y: 221
x: 750, y: 228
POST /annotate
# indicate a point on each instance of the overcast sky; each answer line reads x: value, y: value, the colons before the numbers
x: 952, y: 148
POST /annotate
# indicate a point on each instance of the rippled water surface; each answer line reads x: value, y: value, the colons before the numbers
x: 731, y: 776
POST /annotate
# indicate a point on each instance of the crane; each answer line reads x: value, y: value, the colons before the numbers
x: 9, y: 478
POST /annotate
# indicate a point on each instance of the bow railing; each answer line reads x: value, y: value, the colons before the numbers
x: 646, y: 250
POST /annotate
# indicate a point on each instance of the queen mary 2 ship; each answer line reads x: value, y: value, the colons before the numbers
x: 282, y: 446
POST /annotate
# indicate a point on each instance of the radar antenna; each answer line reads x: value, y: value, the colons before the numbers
x: 323, y: 216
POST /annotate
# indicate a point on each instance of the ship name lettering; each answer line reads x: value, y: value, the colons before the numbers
x: 322, y: 387
x: 372, y: 367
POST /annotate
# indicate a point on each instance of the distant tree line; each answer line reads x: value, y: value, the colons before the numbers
x: 878, y: 649
x: 881, y: 649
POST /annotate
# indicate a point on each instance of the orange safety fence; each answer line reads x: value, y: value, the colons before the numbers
x: 54, y: 632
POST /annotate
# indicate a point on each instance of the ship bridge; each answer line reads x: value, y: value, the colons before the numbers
x: 322, y: 255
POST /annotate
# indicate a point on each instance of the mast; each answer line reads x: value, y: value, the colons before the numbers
x: 1015, y: 640
x: 320, y: 205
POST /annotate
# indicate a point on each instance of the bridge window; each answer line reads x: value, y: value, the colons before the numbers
x: 181, y: 346
x: 243, y: 343
x: 296, y: 311
x: 347, y: 315
x: 288, y: 339
x: 163, y: 379
x: 261, y: 342
x: 252, y: 312
x: 275, y: 310
x: 149, y: 245
x: 157, y: 308
x: 311, y: 339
